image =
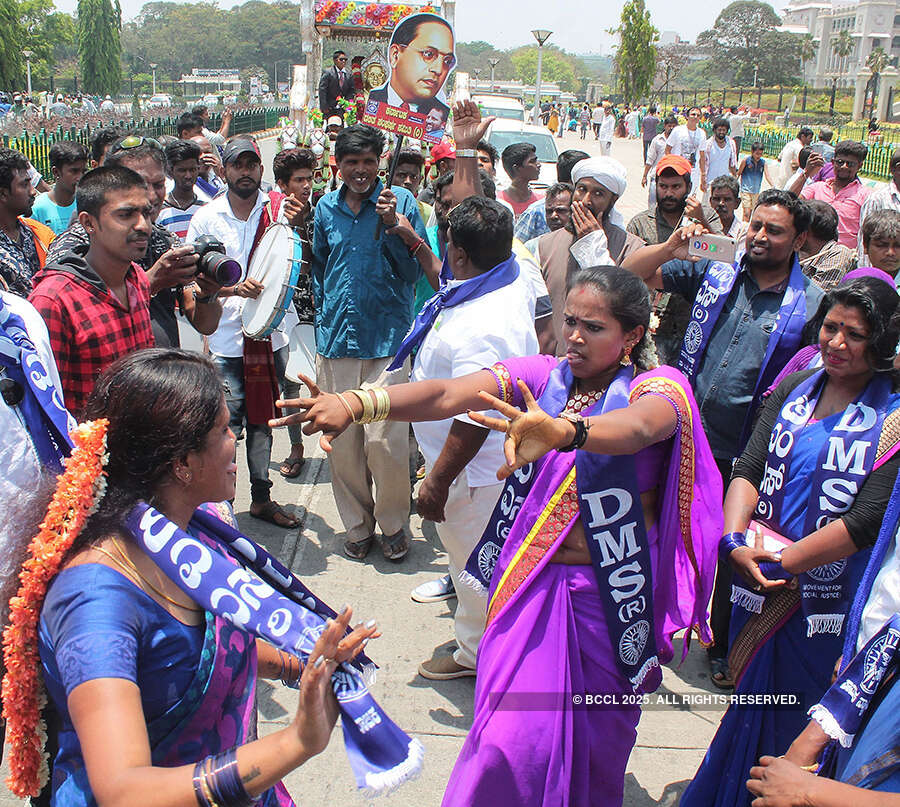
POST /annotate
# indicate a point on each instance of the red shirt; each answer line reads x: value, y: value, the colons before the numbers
x: 519, y: 207
x: 89, y: 328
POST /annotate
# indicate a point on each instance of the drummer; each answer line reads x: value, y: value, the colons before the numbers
x: 238, y: 219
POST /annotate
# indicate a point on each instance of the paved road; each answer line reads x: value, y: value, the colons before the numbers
x: 671, y: 740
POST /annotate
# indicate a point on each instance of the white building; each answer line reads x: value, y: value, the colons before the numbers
x: 871, y: 24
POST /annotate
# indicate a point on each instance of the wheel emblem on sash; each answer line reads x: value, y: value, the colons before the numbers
x: 633, y: 642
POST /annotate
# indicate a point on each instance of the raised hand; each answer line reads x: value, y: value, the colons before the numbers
x: 529, y: 434
x: 468, y: 126
x: 322, y: 412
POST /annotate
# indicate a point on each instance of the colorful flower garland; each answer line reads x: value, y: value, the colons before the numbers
x: 79, y: 490
x: 365, y: 15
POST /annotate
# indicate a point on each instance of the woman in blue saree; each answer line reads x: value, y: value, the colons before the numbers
x: 810, y: 491
x: 149, y: 635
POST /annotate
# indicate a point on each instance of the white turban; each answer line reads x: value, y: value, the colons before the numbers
x: 609, y: 173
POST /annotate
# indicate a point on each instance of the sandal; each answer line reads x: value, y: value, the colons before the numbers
x: 271, y: 511
x: 291, y: 468
x: 395, y: 547
x: 719, y: 674
x: 358, y: 549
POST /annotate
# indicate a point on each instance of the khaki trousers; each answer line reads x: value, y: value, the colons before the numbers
x: 363, y: 457
x: 466, y: 515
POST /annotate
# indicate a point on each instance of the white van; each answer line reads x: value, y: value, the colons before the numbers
x: 500, y: 106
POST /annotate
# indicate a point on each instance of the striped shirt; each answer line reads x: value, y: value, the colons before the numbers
x: 177, y: 219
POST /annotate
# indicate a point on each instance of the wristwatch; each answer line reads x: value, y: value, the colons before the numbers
x: 582, y: 427
x: 466, y: 152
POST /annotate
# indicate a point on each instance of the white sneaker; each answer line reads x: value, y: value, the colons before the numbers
x: 434, y: 590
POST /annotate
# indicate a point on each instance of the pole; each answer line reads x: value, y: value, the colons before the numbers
x: 275, y: 81
x: 537, y: 86
x: 389, y: 179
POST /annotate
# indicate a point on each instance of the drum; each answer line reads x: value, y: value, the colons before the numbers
x: 301, y: 353
x: 276, y: 263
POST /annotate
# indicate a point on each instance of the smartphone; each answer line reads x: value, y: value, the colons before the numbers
x: 818, y: 148
x: 715, y: 247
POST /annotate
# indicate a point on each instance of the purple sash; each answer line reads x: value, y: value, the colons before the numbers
x: 783, y: 342
x: 842, y: 709
x: 844, y: 461
x: 46, y: 418
x: 614, y: 527
x: 260, y: 596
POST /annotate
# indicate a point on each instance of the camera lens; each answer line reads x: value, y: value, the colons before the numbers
x: 225, y: 270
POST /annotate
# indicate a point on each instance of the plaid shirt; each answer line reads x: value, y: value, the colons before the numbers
x: 829, y: 264
x: 89, y: 328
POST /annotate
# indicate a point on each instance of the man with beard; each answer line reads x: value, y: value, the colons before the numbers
x: 250, y: 368
x: 674, y: 207
x: 170, y: 266
x: 594, y: 236
x: 718, y: 156
x: 364, y: 289
x: 734, y: 348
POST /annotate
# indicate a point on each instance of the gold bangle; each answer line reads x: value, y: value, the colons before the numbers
x: 205, y: 783
x: 368, y: 405
x: 347, y: 406
x: 382, y: 403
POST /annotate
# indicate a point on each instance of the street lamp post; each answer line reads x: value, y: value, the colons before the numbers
x: 477, y: 73
x: 153, y: 67
x: 28, y: 54
x: 541, y: 35
x: 493, y: 63
x: 755, y: 73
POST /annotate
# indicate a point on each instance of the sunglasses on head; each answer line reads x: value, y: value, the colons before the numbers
x: 133, y: 142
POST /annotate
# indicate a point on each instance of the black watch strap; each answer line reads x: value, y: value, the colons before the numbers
x: 581, y: 431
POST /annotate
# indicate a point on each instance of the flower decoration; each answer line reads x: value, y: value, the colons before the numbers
x: 358, y: 14
x: 79, y: 490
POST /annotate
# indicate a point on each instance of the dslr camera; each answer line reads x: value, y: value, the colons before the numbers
x: 214, y: 263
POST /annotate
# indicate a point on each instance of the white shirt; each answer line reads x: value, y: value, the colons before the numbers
x: 655, y: 152
x: 884, y: 599
x: 215, y: 139
x: 719, y: 160
x: 887, y: 198
x: 597, y: 115
x: 686, y: 143
x: 20, y: 463
x: 607, y: 128
x: 793, y: 177
x: 217, y: 218
x: 789, y: 155
x: 737, y: 124
x: 107, y: 106
x: 465, y: 339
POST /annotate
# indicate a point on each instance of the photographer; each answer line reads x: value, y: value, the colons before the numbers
x: 250, y: 368
x: 170, y: 266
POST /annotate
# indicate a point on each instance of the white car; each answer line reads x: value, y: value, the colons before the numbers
x: 159, y: 101
x: 503, y: 133
x: 500, y: 106
x: 210, y: 100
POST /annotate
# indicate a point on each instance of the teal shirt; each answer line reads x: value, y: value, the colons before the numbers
x: 55, y: 217
x: 364, y: 288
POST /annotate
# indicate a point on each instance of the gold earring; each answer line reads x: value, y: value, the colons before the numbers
x: 625, y: 361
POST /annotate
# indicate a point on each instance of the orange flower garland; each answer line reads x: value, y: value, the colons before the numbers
x: 79, y: 490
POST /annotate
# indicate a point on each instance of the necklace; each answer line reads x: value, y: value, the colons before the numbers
x: 583, y: 400
x: 124, y: 562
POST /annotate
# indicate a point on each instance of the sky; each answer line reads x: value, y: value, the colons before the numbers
x: 508, y: 23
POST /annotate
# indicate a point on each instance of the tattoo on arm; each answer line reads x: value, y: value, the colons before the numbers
x: 251, y: 775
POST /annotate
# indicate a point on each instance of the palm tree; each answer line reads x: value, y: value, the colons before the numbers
x: 807, y: 50
x: 876, y: 62
x: 841, y: 46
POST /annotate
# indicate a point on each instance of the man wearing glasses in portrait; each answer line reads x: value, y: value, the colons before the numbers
x: 421, y: 55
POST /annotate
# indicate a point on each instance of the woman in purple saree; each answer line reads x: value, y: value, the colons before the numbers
x: 592, y: 579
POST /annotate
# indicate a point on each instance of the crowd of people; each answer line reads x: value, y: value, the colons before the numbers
x: 616, y: 431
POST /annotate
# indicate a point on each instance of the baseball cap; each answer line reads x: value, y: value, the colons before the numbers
x: 236, y: 148
x: 678, y: 164
x: 335, y: 120
x: 443, y: 151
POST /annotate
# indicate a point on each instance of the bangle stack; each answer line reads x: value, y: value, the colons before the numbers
x: 728, y: 543
x: 287, y: 676
x: 417, y: 246
x: 773, y: 570
x: 376, y: 404
x: 217, y: 782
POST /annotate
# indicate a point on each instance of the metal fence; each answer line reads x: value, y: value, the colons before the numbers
x: 36, y: 147
x: 876, y: 165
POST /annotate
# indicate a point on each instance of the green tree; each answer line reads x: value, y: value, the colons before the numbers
x: 735, y: 41
x: 635, y: 60
x: 841, y: 46
x: 556, y: 66
x: 779, y: 62
x: 12, y: 67
x: 876, y: 61
x: 99, y: 48
x: 808, y: 49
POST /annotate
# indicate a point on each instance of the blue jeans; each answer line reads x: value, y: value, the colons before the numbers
x: 259, y: 438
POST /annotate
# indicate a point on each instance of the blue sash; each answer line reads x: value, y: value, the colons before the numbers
x: 264, y: 598
x: 610, y: 506
x: 842, y: 710
x: 844, y: 462
x: 783, y: 342
x: 46, y: 418
x: 448, y: 296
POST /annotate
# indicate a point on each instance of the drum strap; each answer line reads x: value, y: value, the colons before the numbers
x: 260, y: 378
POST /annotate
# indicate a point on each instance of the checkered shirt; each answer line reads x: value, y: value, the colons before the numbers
x: 89, y: 328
